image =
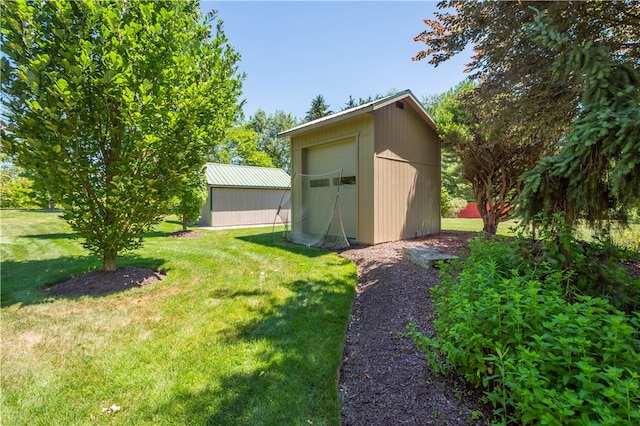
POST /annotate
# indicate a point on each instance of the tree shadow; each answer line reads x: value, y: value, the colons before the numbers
x: 277, y: 240
x: 24, y: 281
x: 53, y: 236
x: 292, y: 378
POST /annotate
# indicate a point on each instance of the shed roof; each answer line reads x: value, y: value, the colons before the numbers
x: 405, y: 96
x: 233, y: 176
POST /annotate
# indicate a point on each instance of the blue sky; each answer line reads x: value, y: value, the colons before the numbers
x: 293, y: 51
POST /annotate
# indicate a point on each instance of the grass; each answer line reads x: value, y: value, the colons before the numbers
x: 214, y: 343
x: 629, y: 237
x: 475, y: 225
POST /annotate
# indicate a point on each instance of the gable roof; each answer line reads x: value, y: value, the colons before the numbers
x: 405, y: 96
x: 233, y: 176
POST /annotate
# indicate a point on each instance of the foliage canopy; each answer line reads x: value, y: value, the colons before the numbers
x: 546, y: 90
x: 111, y: 104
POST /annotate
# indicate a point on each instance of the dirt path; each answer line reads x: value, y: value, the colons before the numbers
x: 384, y: 380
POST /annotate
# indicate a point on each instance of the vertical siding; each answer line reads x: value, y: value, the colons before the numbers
x: 407, y: 175
x: 205, y: 210
x: 359, y: 129
x: 244, y: 207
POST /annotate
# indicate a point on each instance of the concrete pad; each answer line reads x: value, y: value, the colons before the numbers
x: 425, y: 256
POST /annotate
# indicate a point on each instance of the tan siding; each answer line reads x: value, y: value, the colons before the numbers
x: 403, y: 134
x: 360, y: 130
x: 398, y: 171
x: 407, y: 175
x: 243, y: 207
x: 205, y: 210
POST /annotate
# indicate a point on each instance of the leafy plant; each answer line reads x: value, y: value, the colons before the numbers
x: 110, y: 104
x: 505, y: 325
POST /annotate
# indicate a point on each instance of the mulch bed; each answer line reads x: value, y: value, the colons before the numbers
x: 384, y: 379
x: 100, y: 283
x: 186, y: 234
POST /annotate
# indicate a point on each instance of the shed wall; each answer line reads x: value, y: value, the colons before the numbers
x: 241, y: 206
x: 359, y: 130
x: 407, y: 156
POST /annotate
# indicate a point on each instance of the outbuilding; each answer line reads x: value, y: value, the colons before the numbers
x: 243, y: 195
x: 387, y: 154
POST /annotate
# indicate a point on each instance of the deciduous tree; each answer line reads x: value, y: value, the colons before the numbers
x: 508, y: 60
x: 241, y: 147
x: 267, y: 126
x: 111, y: 104
x: 492, y: 155
x: 190, y: 197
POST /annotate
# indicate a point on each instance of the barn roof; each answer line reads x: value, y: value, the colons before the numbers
x: 233, y: 176
x: 404, y: 96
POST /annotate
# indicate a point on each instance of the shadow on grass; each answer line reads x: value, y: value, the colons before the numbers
x: 22, y: 282
x: 76, y: 236
x: 54, y: 236
x: 291, y: 377
x: 277, y: 240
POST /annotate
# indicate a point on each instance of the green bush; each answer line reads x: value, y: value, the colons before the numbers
x: 593, y: 269
x: 505, y: 324
x: 449, y: 205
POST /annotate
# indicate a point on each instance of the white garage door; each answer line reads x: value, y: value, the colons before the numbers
x: 327, y: 158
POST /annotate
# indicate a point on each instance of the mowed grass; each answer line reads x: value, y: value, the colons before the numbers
x: 474, y: 225
x: 243, y: 330
x: 625, y: 236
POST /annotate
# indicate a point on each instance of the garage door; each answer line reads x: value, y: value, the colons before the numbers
x: 327, y: 158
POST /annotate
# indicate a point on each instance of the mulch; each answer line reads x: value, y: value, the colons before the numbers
x: 186, y: 234
x: 101, y: 283
x: 384, y: 379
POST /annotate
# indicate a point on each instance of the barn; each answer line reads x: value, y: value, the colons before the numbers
x: 385, y: 160
x: 242, y: 195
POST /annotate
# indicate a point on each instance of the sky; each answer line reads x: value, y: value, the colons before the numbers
x: 293, y: 51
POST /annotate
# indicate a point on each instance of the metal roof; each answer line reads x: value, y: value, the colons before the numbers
x: 233, y: 176
x: 405, y: 95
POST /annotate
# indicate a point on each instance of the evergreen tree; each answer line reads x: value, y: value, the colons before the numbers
x: 318, y: 109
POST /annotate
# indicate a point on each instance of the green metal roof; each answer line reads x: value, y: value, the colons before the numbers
x: 233, y: 176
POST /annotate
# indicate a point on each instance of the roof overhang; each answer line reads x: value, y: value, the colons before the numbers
x: 404, y: 96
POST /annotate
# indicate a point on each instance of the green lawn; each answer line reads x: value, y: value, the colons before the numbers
x: 211, y: 344
x: 475, y: 225
x: 629, y: 237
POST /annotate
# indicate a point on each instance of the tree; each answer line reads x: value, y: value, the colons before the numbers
x: 17, y: 189
x: 191, y: 195
x: 267, y: 127
x: 452, y: 180
x: 318, y: 109
x: 596, y: 174
x: 241, y: 147
x: 111, y: 104
x: 508, y: 60
x: 492, y: 155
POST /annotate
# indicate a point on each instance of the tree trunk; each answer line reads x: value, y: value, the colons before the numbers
x: 490, y: 225
x: 109, y: 262
x: 184, y: 224
x: 490, y: 218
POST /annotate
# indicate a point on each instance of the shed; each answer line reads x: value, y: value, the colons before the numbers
x: 243, y: 195
x: 388, y: 152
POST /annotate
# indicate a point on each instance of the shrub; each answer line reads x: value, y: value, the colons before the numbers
x: 505, y: 325
x: 592, y: 269
x: 449, y: 205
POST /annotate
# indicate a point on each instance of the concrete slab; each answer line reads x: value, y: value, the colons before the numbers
x: 425, y: 256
